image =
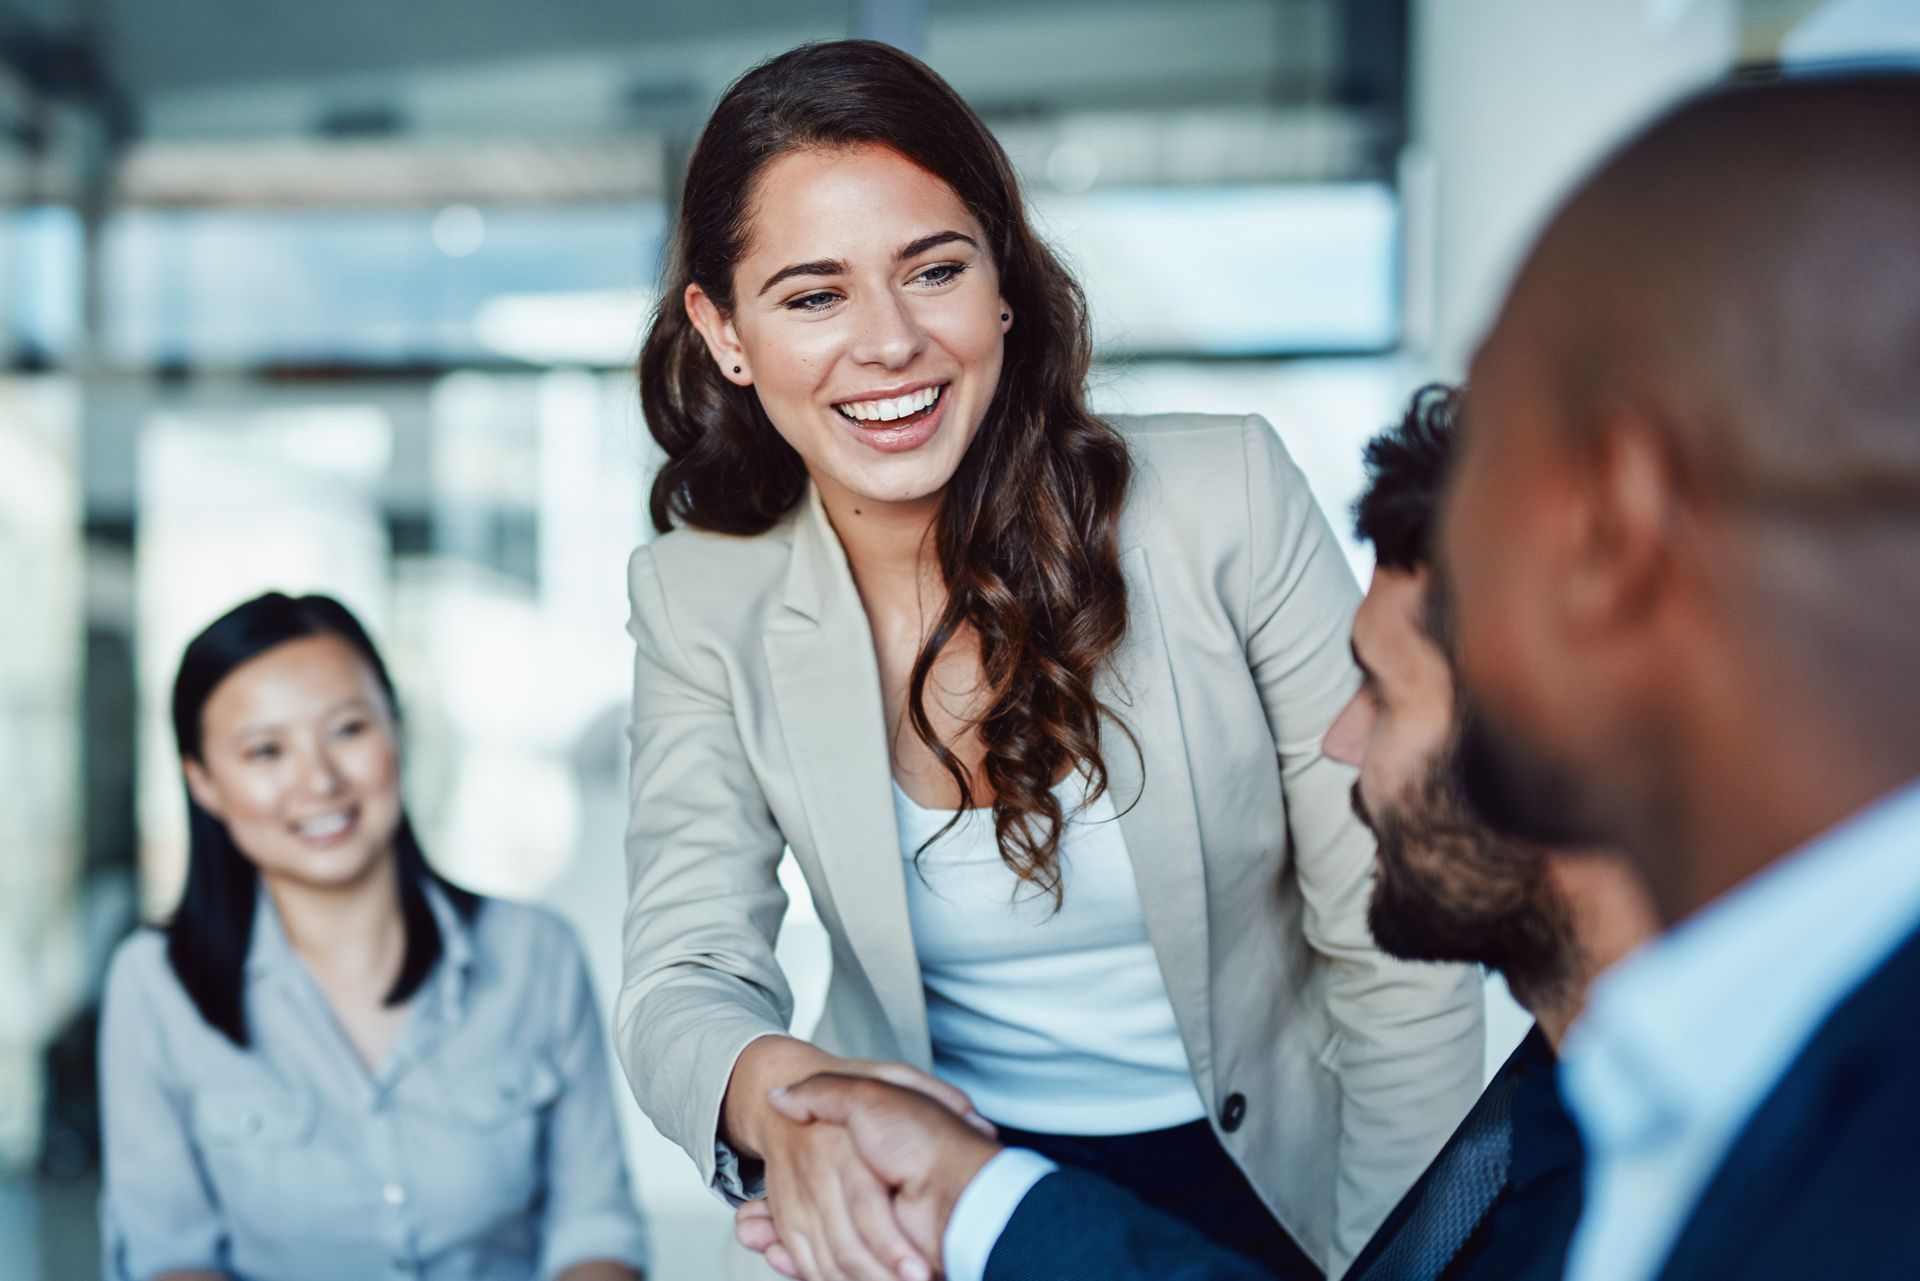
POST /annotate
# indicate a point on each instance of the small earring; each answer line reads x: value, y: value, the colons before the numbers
x: 1006, y: 315
x: 736, y: 369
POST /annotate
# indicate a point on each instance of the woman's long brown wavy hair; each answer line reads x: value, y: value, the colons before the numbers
x: 1028, y: 531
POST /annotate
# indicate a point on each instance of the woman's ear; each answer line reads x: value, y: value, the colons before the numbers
x: 1006, y: 316
x: 723, y: 344
x: 200, y: 786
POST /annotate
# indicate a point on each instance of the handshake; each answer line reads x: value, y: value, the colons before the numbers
x: 863, y: 1172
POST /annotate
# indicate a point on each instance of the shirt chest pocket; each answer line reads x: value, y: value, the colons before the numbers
x: 484, y: 1135
x: 258, y: 1149
x: 254, y: 1120
x: 499, y: 1096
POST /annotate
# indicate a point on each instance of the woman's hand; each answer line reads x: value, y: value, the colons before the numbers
x: 832, y: 1214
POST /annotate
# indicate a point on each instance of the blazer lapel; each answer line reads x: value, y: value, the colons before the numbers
x: 1153, y: 792
x: 826, y: 686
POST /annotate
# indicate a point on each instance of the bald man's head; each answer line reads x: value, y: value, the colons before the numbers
x: 1749, y: 266
x: 1686, y: 507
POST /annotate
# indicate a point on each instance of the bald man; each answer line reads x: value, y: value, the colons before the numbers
x: 1682, y: 551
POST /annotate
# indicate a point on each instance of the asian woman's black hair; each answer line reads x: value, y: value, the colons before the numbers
x: 211, y: 931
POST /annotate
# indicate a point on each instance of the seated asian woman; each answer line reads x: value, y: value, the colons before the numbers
x: 331, y: 1062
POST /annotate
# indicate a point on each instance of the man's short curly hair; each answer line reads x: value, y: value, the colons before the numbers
x: 1406, y: 470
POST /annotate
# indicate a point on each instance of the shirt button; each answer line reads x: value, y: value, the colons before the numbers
x: 394, y: 1194
x: 1233, y: 1112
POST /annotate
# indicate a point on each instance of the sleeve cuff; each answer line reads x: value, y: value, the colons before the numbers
x: 985, y: 1208
x: 737, y: 1179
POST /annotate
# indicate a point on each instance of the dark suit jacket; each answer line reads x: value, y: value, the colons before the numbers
x: 1525, y: 1233
x: 1825, y: 1179
x: 1073, y: 1225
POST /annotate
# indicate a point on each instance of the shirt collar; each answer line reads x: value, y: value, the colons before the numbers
x: 269, y: 951
x: 1694, y: 1028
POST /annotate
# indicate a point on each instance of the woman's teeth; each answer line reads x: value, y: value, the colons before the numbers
x: 319, y: 829
x: 886, y: 411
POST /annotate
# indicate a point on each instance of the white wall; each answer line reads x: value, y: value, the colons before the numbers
x: 1513, y: 101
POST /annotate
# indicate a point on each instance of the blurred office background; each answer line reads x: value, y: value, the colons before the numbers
x: 342, y: 297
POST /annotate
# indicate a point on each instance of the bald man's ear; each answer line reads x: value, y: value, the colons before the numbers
x: 1628, y: 539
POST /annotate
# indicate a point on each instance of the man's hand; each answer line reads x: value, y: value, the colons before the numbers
x: 924, y: 1153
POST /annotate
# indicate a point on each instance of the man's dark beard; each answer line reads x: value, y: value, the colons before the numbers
x: 1513, y: 791
x: 1504, y: 786
x: 1450, y: 890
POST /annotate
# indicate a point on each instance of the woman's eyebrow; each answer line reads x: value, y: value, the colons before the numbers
x: 920, y: 246
x: 351, y: 703
x: 818, y: 267
x: 835, y: 267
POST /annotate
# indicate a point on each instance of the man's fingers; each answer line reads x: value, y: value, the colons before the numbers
x: 954, y: 1099
x: 836, y: 1097
x: 872, y: 1212
x: 781, y: 1260
x: 826, y: 1097
x: 846, y: 1251
x: 800, y: 1250
x: 924, y: 1226
x: 951, y: 1097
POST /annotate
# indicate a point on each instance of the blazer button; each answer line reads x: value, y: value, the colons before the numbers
x: 1233, y: 1112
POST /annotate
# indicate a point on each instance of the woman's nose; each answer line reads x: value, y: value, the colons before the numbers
x: 324, y: 776
x: 888, y: 335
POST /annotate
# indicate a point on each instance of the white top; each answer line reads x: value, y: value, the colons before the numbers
x: 1055, y: 1022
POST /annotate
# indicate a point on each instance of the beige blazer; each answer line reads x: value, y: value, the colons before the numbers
x: 1333, y: 1074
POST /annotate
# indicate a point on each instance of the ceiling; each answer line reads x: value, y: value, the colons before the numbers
x: 157, y: 46
x: 263, y: 68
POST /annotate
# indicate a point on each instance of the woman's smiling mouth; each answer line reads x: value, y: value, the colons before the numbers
x: 328, y: 829
x: 896, y: 422
x: 891, y: 409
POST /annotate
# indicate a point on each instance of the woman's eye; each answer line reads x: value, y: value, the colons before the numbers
x: 263, y: 752
x: 942, y: 273
x: 813, y: 302
x: 351, y: 728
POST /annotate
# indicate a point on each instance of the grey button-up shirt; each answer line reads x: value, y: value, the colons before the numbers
x: 485, y: 1148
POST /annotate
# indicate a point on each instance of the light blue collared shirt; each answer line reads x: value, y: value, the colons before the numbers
x: 484, y: 1148
x: 1682, y: 1041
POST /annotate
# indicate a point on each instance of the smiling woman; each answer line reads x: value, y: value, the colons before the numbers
x: 332, y: 1062
x: 1034, y: 698
x: 893, y: 296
